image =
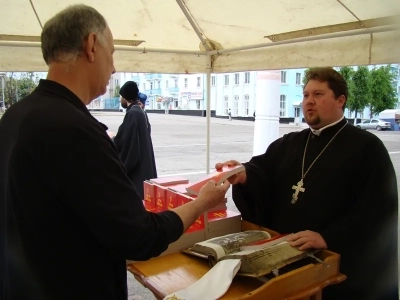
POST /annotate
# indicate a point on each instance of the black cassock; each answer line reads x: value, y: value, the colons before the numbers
x: 135, y: 147
x: 350, y: 198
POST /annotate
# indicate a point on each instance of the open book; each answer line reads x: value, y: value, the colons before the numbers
x: 259, y: 253
x: 218, y: 176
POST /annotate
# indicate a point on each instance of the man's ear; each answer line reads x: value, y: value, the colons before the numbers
x: 341, y: 100
x: 90, y: 46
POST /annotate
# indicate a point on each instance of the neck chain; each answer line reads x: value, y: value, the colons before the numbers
x: 299, y: 187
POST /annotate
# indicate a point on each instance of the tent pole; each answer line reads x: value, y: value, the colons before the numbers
x: 208, y: 112
x: 117, y: 47
x: 309, y: 39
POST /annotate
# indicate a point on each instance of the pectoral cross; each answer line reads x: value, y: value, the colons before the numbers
x: 297, y: 189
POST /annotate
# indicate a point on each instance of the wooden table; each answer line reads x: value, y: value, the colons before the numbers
x: 170, y: 273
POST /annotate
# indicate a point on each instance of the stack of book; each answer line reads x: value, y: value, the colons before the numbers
x: 167, y: 193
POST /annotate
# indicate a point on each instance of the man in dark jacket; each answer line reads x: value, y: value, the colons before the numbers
x: 69, y: 215
x: 133, y: 139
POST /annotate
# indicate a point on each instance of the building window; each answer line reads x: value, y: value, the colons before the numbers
x: 144, y: 86
x: 226, y: 79
x: 298, y: 78
x: 158, y: 84
x: 226, y: 105
x: 198, y: 82
x: 247, y: 77
x: 176, y: 82
x: 151, y: 85
x: 282, y: 110
x: 166, y: 84
x: 213, y: 80
x: 283, y: 76
x: 116, y: 81
x: 236, y: 106
x: 237, y: 78
x: 198, y: 104
x: 246, y: 104
x: 185, y: 82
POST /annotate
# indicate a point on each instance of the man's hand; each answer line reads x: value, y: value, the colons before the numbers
x: 212, y: 195
x: 234, y: 179
x: 307, y: 240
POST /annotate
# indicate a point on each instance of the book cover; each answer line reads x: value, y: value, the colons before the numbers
x: 256, y: 262
x: 172, y: 199
x: 169, y: 180
x: 218, y: 176
x: 149, y: 194
x: 160, y: 195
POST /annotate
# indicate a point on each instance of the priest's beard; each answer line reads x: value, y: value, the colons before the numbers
x: 125, y: 104
x: 312, y: 120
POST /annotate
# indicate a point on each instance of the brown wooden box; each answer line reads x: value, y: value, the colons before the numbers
x: 170, y: 273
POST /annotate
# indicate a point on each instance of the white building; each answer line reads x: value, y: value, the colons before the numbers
x: 235, y: 91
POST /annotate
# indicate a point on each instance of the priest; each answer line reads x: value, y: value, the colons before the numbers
x: 334, y: 186
x: 133, y: 139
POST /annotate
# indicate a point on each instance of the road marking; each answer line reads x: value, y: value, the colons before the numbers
x: 394, y: 152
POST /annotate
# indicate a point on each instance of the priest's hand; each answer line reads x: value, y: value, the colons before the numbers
x: 237, y: 178
x: 307, y: 240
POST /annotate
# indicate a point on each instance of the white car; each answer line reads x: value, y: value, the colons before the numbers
x: 374, y: 124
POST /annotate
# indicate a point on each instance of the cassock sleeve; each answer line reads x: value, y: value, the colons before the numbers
x: 127, y: 142
x: 375, y: 208
x: 104, y: 199
x: 251, y: 198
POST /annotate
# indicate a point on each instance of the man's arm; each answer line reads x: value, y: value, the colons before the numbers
x: 102, y: 195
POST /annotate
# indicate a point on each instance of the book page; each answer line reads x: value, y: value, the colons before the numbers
x: 230, y: 243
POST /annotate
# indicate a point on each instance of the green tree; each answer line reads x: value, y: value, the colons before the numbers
x: 116, y: 91
x: 348, y: 73
x: 18, y: 87
x: 304, y: 80
x: 361, y: 90
x: 383, y: 94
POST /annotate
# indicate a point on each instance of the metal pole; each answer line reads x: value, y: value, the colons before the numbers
x: 208, y: 112
x: 2, y: 75
x: 308, y: 39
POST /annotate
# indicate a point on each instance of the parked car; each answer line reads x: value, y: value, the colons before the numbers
x: 373, y: 124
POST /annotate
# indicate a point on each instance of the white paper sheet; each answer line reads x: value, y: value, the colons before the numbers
x: 213, y: 285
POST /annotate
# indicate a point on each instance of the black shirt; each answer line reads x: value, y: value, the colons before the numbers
x: 70, y: 215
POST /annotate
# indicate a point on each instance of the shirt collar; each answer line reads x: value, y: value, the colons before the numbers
x: 317, y: 132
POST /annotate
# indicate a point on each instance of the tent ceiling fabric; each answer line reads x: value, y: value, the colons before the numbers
x: 170, y: 44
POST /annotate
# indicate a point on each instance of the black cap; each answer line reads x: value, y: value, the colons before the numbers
x: 129, y: 91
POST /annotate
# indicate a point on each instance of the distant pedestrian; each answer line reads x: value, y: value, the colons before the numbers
x: 230, y: 115
x: 254, y: 116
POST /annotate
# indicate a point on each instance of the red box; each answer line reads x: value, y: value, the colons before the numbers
x: 160, y: 194
x: 172, y: 199
x: 199, y: 224
x: 149, y: 194
x: 148, y: 207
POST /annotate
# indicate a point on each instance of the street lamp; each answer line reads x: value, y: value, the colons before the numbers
x: 2, y: 75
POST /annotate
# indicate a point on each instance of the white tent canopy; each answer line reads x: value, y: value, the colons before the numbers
x: 193, y: 36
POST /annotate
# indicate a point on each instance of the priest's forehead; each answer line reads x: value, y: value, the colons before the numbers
x: 315, y: 86
x: 333, y: 78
